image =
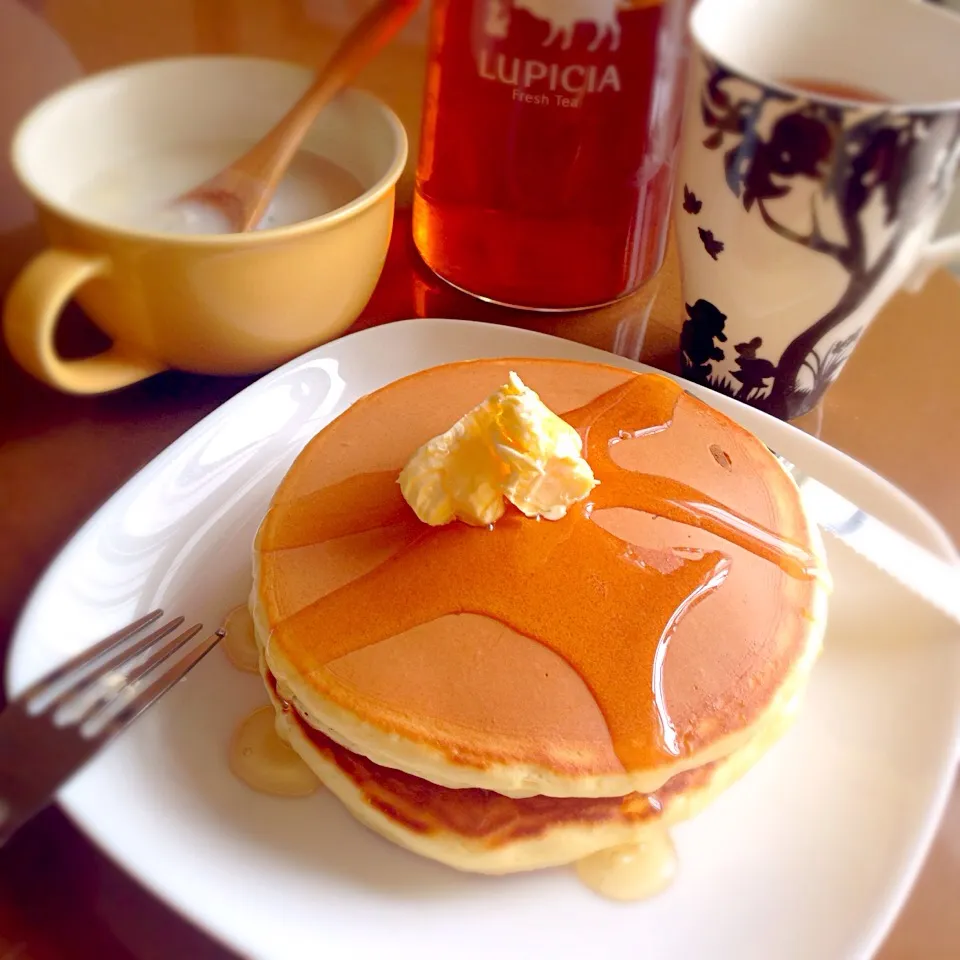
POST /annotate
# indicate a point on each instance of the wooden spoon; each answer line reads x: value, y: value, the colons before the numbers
x: 242, y: 192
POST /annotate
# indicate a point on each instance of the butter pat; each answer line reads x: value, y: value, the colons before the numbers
x: 511, y: 447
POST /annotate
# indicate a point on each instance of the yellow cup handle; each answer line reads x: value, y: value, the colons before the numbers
x: 30, y: 317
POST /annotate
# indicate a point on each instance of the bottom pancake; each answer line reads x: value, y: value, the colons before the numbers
x: 485, y: 832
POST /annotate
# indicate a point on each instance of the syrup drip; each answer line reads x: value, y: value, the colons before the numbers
x: 265, y: 763
x: 239, y: 644
x: 636, y: 434
x: 610, y: 614
x: 634, y: 871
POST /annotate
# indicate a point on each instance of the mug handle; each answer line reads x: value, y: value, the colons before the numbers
x: 30, y: 316
x: 936, y: 253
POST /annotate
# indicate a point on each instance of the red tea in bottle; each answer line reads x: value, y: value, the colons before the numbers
x: 546, y: 159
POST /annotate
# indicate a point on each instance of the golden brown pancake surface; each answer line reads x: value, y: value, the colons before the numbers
x: 483, y: 815
x: 658, y: 617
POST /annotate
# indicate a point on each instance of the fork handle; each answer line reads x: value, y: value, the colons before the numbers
x: 34, y: 763
x: 13, y: 814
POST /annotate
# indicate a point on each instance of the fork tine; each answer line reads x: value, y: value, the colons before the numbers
x: 85, y: 657
x: 106, y: 722
x: 127, y: 677
x: 82, y: 680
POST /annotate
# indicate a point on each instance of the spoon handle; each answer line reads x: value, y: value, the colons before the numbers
x: 254, y: 176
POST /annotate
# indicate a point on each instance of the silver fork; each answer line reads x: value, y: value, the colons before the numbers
x: 55, y: 726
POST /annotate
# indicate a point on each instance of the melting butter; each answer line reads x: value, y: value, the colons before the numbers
x: 511, y: 446
x: 240, y: 644
x: 260, y: 758
x: 634, y: 871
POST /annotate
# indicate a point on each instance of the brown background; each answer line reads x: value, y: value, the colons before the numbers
x: 896, y: 408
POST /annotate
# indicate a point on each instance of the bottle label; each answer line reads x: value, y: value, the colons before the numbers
x: 554, y: 52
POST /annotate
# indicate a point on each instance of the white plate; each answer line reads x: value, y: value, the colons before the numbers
x: 809, y: 857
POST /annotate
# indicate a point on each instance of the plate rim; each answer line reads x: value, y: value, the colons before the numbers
x: 886, y: 914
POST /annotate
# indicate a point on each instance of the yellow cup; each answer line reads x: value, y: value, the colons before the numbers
x: 211, y: 303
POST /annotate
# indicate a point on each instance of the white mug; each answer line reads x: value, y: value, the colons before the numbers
x: 801, y: 203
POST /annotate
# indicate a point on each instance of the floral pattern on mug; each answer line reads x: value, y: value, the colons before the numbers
x: 852, y: 183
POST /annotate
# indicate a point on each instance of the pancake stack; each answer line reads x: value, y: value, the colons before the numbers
x: 526, y: 695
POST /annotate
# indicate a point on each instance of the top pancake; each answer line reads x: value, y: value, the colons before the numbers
x: 595, y: 655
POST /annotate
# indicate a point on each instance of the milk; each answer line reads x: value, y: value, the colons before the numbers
x: 140, y: 194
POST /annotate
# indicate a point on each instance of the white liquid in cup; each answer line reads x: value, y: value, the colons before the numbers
x: 140, y: 194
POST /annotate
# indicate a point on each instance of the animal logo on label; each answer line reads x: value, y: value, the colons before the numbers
x: 542, y: 78
x: 564, y: 15
x: 496, y: 21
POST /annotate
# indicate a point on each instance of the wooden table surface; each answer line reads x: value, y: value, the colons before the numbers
x: 896, y: 408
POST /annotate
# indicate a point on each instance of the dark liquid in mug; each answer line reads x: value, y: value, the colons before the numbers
x: 829, y: 88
